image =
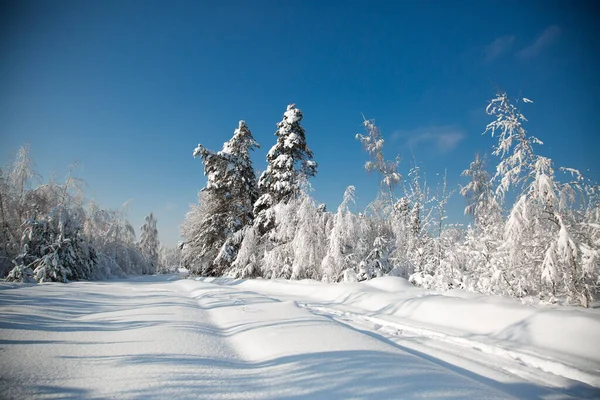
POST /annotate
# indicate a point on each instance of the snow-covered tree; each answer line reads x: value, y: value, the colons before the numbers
x: 378, y: 235
x: 482, y: 259
x: 53, y: 249
x: 204, y: 231
x: 543, y: 239
x: 373, y: 143
x: 515, y: 147
x: 15, y: 207
x: 225, y: 207
x: 277, y: 244
x: 343, y: 240
x: 149, y: 244
x: 290, y: 161
x: 50, y: 232
x: 310, y: 240
x: 248, y: 261
x: 53, y: 246
x: 479, y: 192
x: 113, y: 237
x: 170, y: 259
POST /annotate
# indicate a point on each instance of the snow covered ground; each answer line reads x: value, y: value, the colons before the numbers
x: 162, y: 336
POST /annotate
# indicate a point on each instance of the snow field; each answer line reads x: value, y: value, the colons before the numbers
x: 564, y: 341
x: 154, y: 337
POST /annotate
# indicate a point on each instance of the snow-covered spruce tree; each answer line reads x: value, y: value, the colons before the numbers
x: 243, y: 192
x: 543, y: 232
x: 149, y: 244
x: 289, y: 161
x: 266, y: 247
x: 225, y: 207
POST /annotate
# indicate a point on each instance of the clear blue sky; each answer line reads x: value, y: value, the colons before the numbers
x: 129, y: 88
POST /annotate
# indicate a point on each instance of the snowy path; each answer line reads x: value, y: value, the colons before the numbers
x: 154, y: 337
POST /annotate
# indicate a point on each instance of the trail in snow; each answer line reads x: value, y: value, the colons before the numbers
x: 153, y: 337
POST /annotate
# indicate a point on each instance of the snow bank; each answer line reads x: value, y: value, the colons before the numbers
x: 557, y: 339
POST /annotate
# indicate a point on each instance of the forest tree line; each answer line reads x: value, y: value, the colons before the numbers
x: 544, y: 244
x: 535, y: 230
x: 49, y: 232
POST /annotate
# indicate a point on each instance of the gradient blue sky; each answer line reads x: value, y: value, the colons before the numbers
x: 129, y: 88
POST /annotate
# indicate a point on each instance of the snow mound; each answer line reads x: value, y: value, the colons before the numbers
x: 392, y: 284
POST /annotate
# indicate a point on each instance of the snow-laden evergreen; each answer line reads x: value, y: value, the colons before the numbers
x: 290, y: 161
x: 225, y: 205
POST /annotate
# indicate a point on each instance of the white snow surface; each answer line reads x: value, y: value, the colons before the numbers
x: 169, y: 337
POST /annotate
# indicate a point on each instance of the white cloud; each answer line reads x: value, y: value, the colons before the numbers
x: 543, y: 41
x: 497, y: 48
x: 443, y: 139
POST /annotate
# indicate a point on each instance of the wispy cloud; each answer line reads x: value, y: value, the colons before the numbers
x: 497, y: 48
x: 443, y: 139
x: 542, y: 42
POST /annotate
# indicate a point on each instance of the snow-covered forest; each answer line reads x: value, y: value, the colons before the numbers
x: 535, y: 231
x: 50, y: 232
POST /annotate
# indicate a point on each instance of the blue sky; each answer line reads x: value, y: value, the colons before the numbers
x: 129, y: 88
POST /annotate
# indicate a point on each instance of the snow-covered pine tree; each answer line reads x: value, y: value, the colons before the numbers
x: 289, y: 161
x: 225, y: 207
x: 149, y: 244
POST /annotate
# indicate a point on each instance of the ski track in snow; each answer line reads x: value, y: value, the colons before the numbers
x: 161, y: 337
